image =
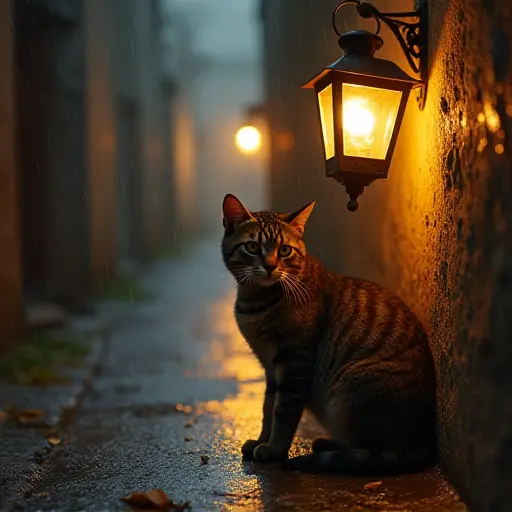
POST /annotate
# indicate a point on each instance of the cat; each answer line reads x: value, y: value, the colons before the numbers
x: 348, y: 350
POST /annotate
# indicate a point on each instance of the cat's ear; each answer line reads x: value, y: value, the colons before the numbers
x: 299, y: 218
x: 234, y: 212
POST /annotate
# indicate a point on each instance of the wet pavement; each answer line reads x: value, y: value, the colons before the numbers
x: 173, y: 383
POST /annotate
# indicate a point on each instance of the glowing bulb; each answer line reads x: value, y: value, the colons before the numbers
x: 358, y: 120
x: 248, y: 139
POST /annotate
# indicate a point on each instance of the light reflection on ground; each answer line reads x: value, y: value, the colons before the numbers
x: 237, y: 418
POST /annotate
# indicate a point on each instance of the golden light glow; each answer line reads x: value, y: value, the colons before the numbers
x: 482, y: 144
x: 248, y: 139
x: 358, y: 119
x: 325, y: 103
x: 492, y: 118
x: 369, y: 116
x: 499, y: 149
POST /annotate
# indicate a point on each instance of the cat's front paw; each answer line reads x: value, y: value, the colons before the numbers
x: 266, y: 452
x: 248, y: 448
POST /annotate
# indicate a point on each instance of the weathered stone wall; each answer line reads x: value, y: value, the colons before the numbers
x: 101, y: 139
x: 10, y: 265
x: 438, y: 231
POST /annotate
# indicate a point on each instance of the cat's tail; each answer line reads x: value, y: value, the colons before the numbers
x: 361, y: 462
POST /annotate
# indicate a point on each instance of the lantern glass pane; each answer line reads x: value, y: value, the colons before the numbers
x: 369, y: 117
x: 325, y: 104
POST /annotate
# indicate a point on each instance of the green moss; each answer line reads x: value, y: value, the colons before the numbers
x: 40, y: 359
x: 125, y: 289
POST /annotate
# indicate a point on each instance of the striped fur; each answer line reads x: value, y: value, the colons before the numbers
x: 346, y: 349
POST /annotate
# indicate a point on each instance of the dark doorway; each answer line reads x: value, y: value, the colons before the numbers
x: 33, y: 100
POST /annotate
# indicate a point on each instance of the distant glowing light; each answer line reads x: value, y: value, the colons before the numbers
x: 499, y: 149
x: 248, y: 139
x: 481, y: 118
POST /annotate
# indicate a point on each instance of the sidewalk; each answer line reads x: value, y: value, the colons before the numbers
x: 175, y: 394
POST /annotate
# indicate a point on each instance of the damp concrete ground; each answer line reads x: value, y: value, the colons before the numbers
x: 173, y: 387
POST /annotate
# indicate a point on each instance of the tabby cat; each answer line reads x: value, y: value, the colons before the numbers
x: 348, y: 350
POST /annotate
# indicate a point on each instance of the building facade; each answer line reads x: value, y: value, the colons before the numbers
x: 87, y: 118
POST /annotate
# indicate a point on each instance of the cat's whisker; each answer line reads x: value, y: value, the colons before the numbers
x: 297, y: 288
x: 300, y: 285
x: 294, y: 292
x: 287, y: 288
x: 284, y: 286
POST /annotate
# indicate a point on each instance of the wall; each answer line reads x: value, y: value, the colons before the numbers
x: 10, y: 264
x: 438, y: 231
x: 144, y: 175
x: 51, y: 149
x: 101, y: 141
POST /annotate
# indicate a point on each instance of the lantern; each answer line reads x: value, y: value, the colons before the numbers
x: 361, y: 103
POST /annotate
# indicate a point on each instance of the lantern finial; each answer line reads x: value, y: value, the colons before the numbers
x: 360, y: 42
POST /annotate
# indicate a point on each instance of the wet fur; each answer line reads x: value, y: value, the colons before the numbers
x: 346, y: 349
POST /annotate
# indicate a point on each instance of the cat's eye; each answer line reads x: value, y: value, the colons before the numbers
x: 285, y: 251
x: 252, y: 248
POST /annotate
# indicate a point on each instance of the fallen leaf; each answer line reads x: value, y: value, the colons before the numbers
x: 204, y: 459
x: 53, y: 441
x: 156, y: 499
x: 30, y: 414
x: 30, y: 418
x: 190, y: 423
x: 188, y: 438
x: 372, y: 485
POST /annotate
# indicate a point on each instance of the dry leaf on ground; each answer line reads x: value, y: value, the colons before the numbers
x: 30, y: 414
x: 188, y: 438
x: 53, y: 441
x: 190, y: 423
x: 372, y: 485
x: 155, y: 499
x: 30, y: 418
x: 204, y: 459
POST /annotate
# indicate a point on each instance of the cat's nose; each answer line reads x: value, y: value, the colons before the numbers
x: 269, y: 267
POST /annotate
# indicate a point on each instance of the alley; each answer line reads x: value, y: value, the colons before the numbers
x: 176, y: 383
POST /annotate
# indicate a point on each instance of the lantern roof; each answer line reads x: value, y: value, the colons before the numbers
x: 359, y: 47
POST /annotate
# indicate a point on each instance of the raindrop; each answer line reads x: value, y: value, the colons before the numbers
x: 326, y: 41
